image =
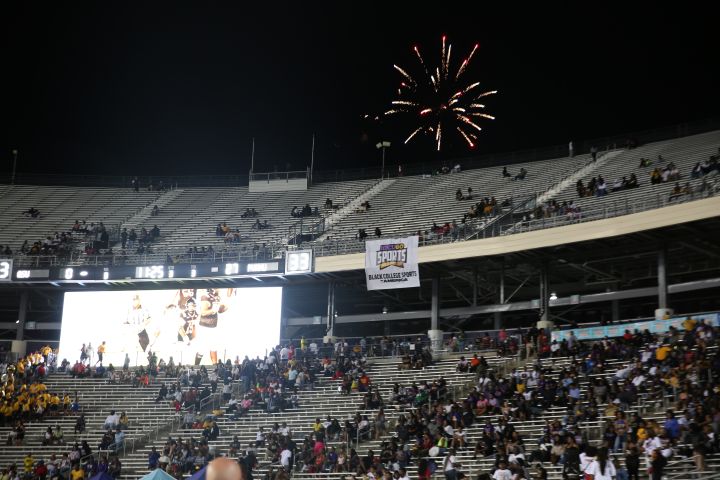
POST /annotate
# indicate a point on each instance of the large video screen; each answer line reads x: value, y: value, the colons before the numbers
x: 190, y: 325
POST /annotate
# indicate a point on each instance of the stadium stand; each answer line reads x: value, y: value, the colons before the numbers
x: 413, y: 204
x: 191, y: 218
x: 684, y: 153
x: 187, y: 218
x: 60, y: 206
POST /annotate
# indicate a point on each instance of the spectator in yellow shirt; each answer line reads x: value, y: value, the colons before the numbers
x: 28, y: 463
x: 77, y: 473
x: 689, y: 323
x: 100, y: 352
x: 662, y: 352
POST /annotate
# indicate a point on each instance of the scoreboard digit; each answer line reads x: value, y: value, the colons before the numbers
x: 6, y: 269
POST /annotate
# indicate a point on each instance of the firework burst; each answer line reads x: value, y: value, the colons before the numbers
x: 442, y: 102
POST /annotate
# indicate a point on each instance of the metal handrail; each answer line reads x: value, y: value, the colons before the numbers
x: 604, y: 212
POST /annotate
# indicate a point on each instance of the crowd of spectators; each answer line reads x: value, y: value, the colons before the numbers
x: 682, y: 366
x: 25, y: 398
x: 597, y: 187
x: 24, y: 395
x: 597, y: 383
x: 140, y: 243
x: 306, y: 211
x: 602, y: 383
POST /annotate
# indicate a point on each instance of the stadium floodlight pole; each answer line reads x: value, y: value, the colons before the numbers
x: 15, y: 154
x: 382, y: 146
x: 312, y: 158
x: 252, y: 157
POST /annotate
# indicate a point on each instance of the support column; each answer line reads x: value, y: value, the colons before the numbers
x: 502, y: 283
x: 497, y: 320
x: 19, y: 346
x: 330, y: 326
x: 615, y: 307
x: 22, y: 314
x: 662, y: 279
x: 435, y: 307
x: 662, y: 311
x: 544, y: 312
x: 435, y: 335
x: 475, y: 286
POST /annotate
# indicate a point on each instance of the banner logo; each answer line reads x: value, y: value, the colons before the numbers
x: 391, y: 255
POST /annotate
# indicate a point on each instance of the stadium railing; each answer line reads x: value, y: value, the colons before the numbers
x: 616, y: 209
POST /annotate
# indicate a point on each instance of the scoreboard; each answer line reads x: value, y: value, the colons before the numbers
x: 294, y: 262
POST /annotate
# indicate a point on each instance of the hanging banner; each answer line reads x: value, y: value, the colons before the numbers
x: 392, y: 263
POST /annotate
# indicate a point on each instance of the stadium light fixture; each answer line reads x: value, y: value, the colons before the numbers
x: 382, y: 146
x: 553, y: 296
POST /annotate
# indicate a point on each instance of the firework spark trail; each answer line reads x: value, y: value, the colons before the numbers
x: 417, y: 130
x: 405, y: 74
x: 469, y: 122
x: 466, y: 62
x: 465, y: 136
x: 440, y: 101
x: 405, y: 102
x: 444, y: 64
x: 422, y: 62
x: 439, y: 135
x: 447, y: 62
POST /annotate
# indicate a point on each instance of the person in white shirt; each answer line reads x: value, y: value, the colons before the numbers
x: 502, y: 472
x: 285, y: 457
x: 646, y: 355
x: 638, y: 380
x: 651, y: 444
x: 623, y: 373
x: 403, y: 475
x: 450, y: 464
x: 260, y: 438
x: 586, y: 458
x: 601, y: 468
x: 111, y: 420
x: 459, y: 438
x: 516, y: 457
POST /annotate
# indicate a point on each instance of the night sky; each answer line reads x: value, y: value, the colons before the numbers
x: 158, y: 88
